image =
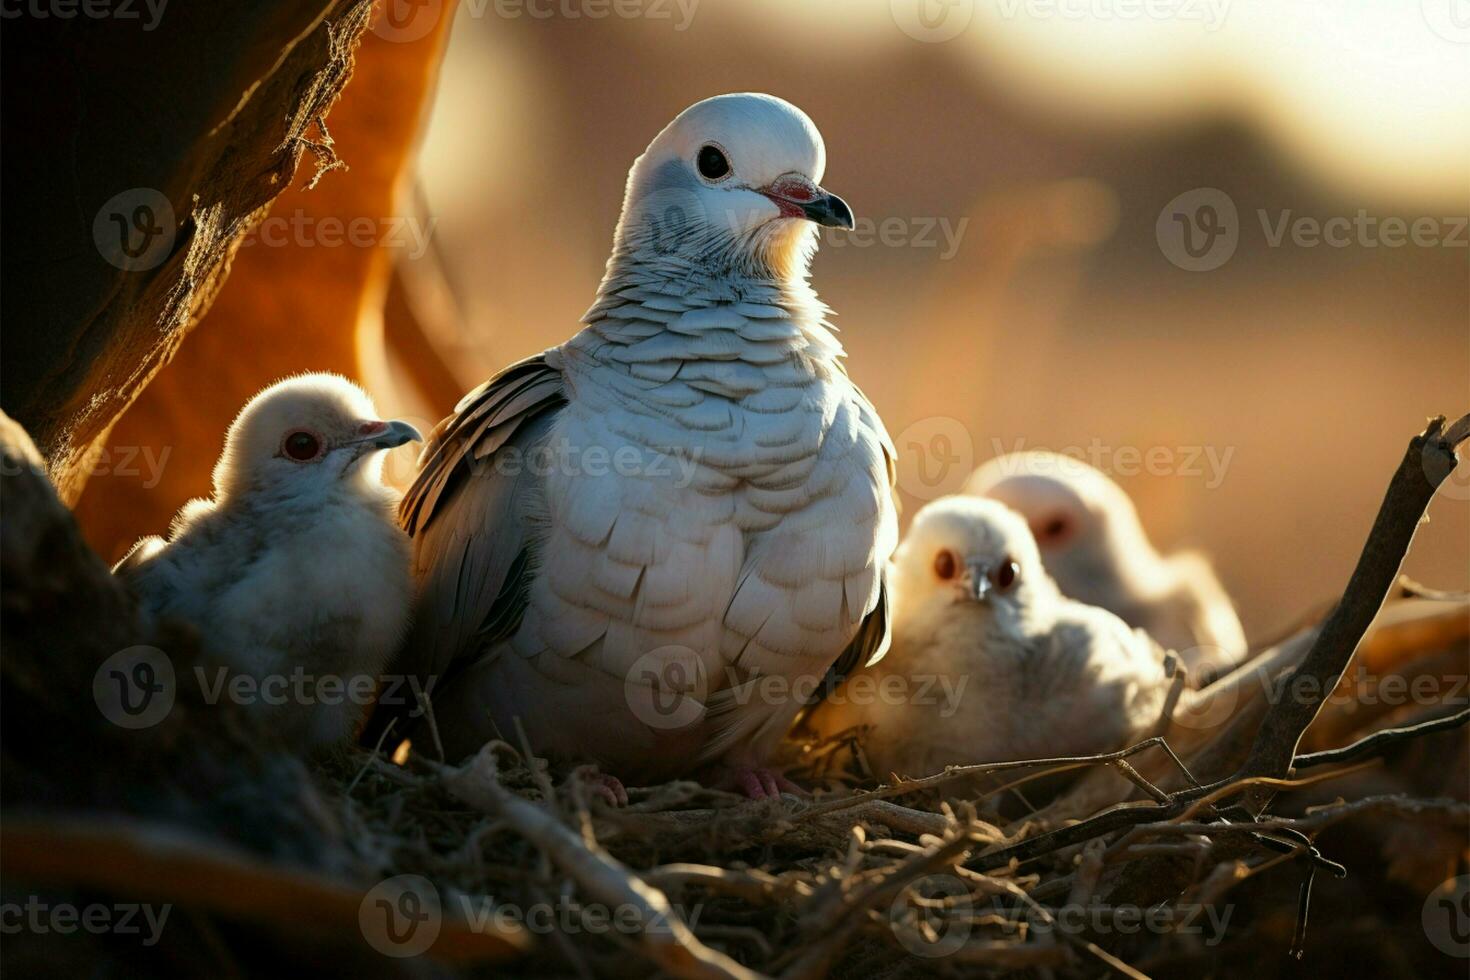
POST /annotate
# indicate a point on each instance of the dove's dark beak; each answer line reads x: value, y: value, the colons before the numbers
x: 798, y: 197
x: 385, y: 435
x: 829, y: 210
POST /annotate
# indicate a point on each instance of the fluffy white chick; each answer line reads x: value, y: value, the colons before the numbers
x: 296, y: 567
x: 1095, y: 547
x: 990, y: 662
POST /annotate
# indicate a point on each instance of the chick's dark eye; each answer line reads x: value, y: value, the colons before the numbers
x: 301, y: 446
x: 1005, y: 574
x: 712, y: 163
x: 946, y: 566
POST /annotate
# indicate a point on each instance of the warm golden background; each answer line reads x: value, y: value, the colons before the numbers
x: 1050, y: 140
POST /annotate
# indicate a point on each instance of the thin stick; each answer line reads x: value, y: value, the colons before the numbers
x: 1427, y: 462
x: 1372, y: 743
x: 663, y: 938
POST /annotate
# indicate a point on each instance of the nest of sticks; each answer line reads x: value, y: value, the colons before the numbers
x: 1291, y: 831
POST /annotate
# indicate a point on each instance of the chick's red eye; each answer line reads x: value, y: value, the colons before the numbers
x: 946, y: 565
x: 1053, y: 529
x: 301, y: 446
x: 1005, y: 574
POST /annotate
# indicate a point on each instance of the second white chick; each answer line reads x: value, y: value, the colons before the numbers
x: 296, y: 566
x: 1095, y: 547
x: 1034, y: 674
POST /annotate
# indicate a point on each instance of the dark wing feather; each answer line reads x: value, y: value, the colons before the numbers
x: 472, y: 513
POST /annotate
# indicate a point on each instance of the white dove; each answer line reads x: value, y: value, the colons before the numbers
x: 295, y: 573
x: 621, y: 542
x: 990, y: 662
x: 1095, y: 547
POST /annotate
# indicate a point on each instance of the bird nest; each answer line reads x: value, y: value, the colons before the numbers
x: 1217, y: 849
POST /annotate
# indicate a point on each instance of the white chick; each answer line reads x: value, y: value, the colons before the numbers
x: 1094, y: 546
x: 295, y: 573
x: 990, y: 662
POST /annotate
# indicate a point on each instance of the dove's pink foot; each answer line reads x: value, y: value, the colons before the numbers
x: 756, y: 782
x: 603, y: 786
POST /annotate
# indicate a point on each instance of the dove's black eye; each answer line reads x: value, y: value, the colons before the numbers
x: 1005, y: 574
x: 301, y: 446
x: 712, y: 163
x: 946, y: 565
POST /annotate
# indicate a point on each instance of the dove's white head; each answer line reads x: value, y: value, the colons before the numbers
x: 1086, y: 526
x: 733, y: 183
x: 310, y: 432
x: 968, y: 557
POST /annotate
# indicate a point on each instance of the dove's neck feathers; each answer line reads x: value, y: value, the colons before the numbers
x: 656, y: 310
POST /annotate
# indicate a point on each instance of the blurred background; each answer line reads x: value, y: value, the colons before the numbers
x: 1013, y: 280
x: 1218, y: 249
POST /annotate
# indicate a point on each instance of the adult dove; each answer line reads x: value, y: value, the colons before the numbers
x: 295, y: 573
x: 620, y: 543
x: 1095, y: 547
x: 990, y: 662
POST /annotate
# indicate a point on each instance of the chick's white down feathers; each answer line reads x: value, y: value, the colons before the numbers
x: 991, y: 662
x: 1094, y: 545
x: 296, y: 564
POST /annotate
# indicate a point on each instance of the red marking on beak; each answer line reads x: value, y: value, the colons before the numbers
x: 371, y: 428
x: 793, y: 187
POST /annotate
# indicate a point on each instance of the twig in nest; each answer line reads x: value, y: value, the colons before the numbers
x: 1428, y: 461
x: 663, y: 937
x: 1370, y: 744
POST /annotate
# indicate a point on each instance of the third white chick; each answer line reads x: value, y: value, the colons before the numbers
x: 1033, y: 674
x: 1094, y: 546
x: 296, y: 564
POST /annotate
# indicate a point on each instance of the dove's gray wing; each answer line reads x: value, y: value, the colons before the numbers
x: 472, y: 513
